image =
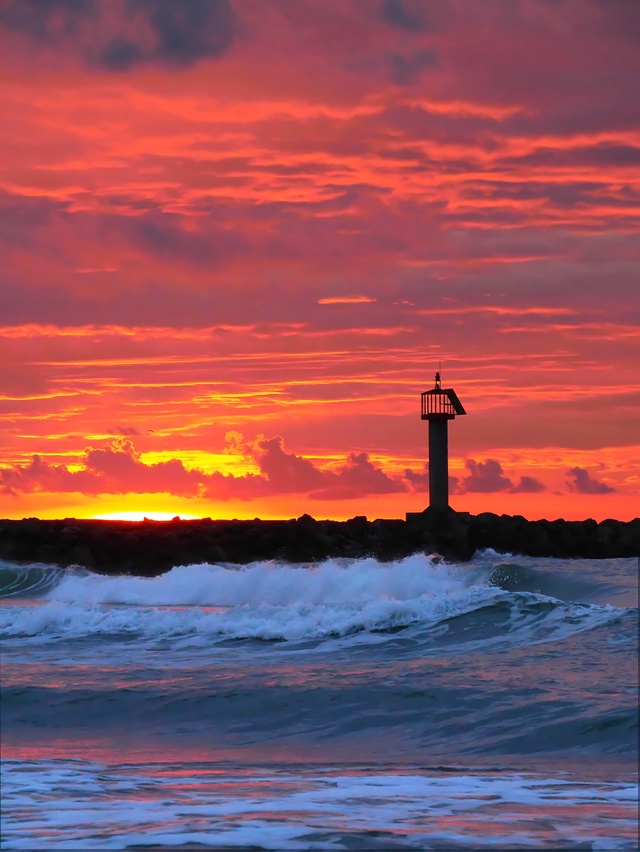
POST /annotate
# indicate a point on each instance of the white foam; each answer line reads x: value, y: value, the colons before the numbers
x: 65, y: 806
x: 296, y: 621
x: 262, y: 600
x: 194, y: 605
x: 270, y: 584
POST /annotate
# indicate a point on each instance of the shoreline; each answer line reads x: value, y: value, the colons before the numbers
x: 149, y: 548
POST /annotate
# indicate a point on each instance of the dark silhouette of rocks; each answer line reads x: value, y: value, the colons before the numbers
x: 150, y: 548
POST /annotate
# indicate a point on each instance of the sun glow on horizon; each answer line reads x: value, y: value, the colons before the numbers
x: 145, y: 516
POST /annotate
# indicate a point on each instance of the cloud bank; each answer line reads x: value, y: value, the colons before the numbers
x: 118, y: 468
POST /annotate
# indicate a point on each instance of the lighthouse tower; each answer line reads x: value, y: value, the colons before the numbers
x: 438, y: 406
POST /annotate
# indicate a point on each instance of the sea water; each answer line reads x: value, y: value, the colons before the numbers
x: 342, y: 705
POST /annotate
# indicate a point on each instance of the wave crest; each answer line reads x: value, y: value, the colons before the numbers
x: 200, y: 604
x: 30, y: 581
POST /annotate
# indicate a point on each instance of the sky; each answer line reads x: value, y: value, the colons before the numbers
x: 239, y: 237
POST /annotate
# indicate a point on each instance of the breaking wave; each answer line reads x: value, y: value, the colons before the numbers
x: 485, y: 600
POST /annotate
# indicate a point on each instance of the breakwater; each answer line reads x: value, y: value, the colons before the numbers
x: 149, y: 548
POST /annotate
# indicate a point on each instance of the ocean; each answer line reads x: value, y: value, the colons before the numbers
x: 346, y: 705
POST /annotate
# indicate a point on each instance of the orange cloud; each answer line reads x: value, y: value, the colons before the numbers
x: 345, y: 300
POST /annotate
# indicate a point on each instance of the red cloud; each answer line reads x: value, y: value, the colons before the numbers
x: 117, y: 468
x: 120, y: 470
x: 284, y: 471
x: 358, y: 476
x: 528, y: 485
x: 583, y: 483
x: 288, y: 472
x: 485, y: 476
x: 38, y: 475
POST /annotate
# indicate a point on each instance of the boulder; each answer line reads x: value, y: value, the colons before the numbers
x: 152, y: 547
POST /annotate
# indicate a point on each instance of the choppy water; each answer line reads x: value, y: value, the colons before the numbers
x: 347, y: 705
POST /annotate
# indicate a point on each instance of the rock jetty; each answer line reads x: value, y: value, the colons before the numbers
x: 149, y: 548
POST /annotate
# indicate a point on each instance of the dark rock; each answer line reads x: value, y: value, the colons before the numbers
x: 152, y: 547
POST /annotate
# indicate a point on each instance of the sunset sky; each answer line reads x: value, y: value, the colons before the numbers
x: 238, y: 237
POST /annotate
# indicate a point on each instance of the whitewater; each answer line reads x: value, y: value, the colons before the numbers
x: 348, y: 704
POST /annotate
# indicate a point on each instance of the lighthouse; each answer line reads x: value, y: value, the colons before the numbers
x: 438, y: 406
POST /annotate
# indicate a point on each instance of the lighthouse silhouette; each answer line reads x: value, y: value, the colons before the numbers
x: 439, y: 405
